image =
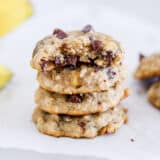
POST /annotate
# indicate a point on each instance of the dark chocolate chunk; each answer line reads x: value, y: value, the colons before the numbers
x: 87, y: 28
x: 75, y: 98
x: 109, y: 57
x: 60, y: 33
x: 82, y: 125
x: 141, y: 56
x: 96, y: 45
x: 58, y: 62
x: 99, y: 102
x: 44, y: 64
x: 71, y: 60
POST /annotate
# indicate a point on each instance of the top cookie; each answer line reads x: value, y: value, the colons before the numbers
x: 148, y: 67
x: 72, y: 49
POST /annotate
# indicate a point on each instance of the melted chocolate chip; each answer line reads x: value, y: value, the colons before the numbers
x: 109, y: 57
x: 96, y: 45
x: 60, y: 33
x: 87, y: 28
x: 141, y: 56
x: 82, y: 125
x: 99, y: 102
x: 71, y: 61
x: 75, y: 98
x: 44, y: 64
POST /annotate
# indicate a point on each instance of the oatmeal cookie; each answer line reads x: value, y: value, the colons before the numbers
x: 148, y: 67
x: 79, y: 104
x: 82, y: 80
x: 76, y: 48
x: 87, y: 126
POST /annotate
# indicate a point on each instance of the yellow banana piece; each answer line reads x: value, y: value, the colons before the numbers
x: 12, y: 13
x: 5, y: 75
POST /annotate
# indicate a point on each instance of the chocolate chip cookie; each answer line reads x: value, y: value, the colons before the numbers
x: 82, y: 80
x: 148, y: 67
x: 87, y: 126
x: 72, y: 49
x: 154, y: 94
x: 79, y: 104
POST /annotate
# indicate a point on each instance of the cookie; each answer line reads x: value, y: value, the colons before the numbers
x: 154, y: 94
x: 148, y: 67
x: 82, y: 80
x: 79, y: 104
x: 87, y: 126
x: 76, y: 48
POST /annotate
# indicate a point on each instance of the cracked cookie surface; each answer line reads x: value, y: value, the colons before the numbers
x: 72, y: 49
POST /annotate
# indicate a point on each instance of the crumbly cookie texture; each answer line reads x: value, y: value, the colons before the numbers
x: 154, y: 94
x: 82, y: 80
x: 87, y: 126
x: 79, y: 104
x: 148, y: 67
x: 71, y: 49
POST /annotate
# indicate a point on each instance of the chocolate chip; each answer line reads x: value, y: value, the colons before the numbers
x: 108, y: 57
x: 75, y: 98
x: 44, y: 64
x: 99, y: 102
x: 60, y: 33
x: 132, y: 140
x: 141, y: 56
x: 111, y: 73
x: 58, y: 62
x: 87, y: 28
x: 96, y: 45
x: 71, y: 61
x: 82, y: 125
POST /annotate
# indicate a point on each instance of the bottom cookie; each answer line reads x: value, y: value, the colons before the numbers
x: 154, y: 94
x: 87, y: 126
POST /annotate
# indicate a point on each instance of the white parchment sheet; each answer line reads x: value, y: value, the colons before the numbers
x: 16, y: 100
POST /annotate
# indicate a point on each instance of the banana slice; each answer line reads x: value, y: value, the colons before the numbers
x: 12, y: 13
x: 5, y: 75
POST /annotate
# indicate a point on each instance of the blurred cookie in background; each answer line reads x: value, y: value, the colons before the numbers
x: 148, y: 71
x: 154, y: 94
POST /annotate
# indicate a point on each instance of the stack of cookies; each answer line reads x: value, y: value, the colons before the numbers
x: 81, y: 76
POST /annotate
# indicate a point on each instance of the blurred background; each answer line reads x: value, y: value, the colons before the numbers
x: 23, y: 23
